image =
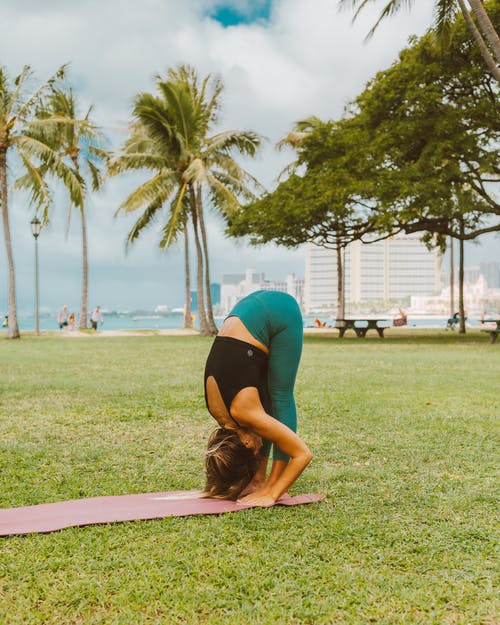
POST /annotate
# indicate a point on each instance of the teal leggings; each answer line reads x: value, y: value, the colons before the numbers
x: 274, y: 319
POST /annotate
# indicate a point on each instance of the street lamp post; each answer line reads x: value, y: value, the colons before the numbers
x: 36, y: 226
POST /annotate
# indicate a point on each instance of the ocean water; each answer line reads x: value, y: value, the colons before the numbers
x: 175, y: 320
x: 112, y: 322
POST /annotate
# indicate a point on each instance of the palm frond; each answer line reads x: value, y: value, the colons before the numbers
x: 150, y: 112
x: 227, y: 164
x: 195, y: 172
x: 62, y: 121
x: 213, y: 104
x: 32, y: 147
x: 145, y: 220
x: 139, y: 141
x: 68, y: 218
x: 356, y: 5
x: 34, y: 182
x: 391, y: 8
x: 4, y: 95
x: 222, y: 196
x: 95, y: 175
x: 10, y: 99
x: 444, y: 15
x: 97, y: 153
x: 160, y: 186
x: 291, y: 140
x: 287, y: 171
x: 177, y: 219
x: 301, y: 129
x: 239, y: 188
x: 182, y: 110
x: 134, y: 162
x: 244, y: 141
x: 34, y: 101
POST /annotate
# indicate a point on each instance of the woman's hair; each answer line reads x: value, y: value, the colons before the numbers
x: 229, y: 465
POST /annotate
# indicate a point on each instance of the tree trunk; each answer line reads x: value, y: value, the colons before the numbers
x: 82, y: 324
x: 13, y: 328
x: 208, y: 294
x: 488, y: 59
x: 461, y: 281
x: 85, y: 271
x: 204, y: 328
x: 486, y: 27
x: 340, y: 281
x: 188, y: 323
x: 452, y: 279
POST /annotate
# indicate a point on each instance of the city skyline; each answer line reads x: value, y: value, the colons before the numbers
x: 280, y: 61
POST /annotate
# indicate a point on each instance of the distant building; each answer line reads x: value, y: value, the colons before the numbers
x: 236, y: 286
x: 478, y: 299
x: 194, y: 300
x: 388, y: 270
x: 214, y: 293
x: 491, y: 272
x: 471, y: 274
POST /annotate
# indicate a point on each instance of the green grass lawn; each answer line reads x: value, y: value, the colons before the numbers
x: 403, y: 432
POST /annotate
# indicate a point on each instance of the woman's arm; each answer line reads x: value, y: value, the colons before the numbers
x: 248, y: 411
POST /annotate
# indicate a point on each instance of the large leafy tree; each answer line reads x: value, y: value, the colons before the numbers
x: 78, y: 142
x: 432, y: 124
x: 323, y: 205
x: 485, y: 34
x: 171, y: 138
x: 417, y: 152
x: 20, y: 140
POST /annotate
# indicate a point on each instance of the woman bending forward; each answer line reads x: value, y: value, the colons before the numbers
x: 249, y: 376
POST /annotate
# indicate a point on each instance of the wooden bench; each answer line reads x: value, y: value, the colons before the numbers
x: 361, y: 326
x: 493, y: 332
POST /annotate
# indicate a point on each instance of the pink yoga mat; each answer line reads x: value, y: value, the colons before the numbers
x: 49, y: 517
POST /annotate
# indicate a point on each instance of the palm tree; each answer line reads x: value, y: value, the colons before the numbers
x: 445, y: 12
x: 20, y: 126
x: 77, y: 141
x: 170, y: 138
x: 151, y: 150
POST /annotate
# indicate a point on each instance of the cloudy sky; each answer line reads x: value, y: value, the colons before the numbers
x: 280, y: 61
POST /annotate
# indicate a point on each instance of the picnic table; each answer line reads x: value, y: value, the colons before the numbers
x: 493, y: 331
x: 361, y: 326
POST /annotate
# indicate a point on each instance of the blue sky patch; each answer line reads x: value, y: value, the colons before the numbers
x: 230, y: 14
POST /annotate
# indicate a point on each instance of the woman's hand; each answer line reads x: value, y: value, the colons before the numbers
x: 259, y: 497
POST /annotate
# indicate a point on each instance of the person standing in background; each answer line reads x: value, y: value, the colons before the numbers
x: 95, y: 317
x: 62, y: 317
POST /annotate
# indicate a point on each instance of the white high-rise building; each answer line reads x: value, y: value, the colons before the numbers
x: 391, y: 269
x: 236, y: 286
